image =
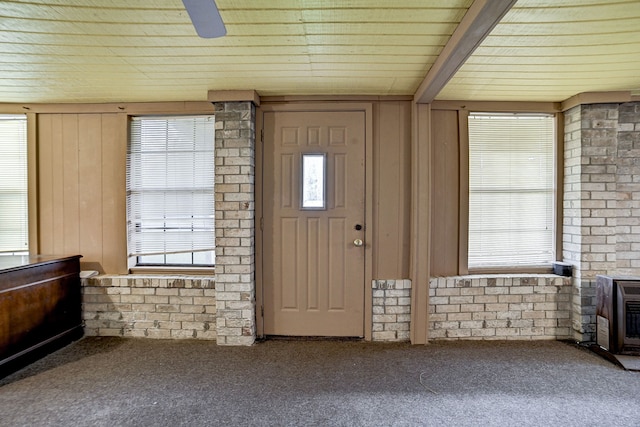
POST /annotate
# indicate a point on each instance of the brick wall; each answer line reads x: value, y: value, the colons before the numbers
x: 589, y: 206
x: 183, y: 307
x: 601, y: 201
x: 391, y: 310
x: 572, y: 231
x: 628, y: 190
x: 499, y: 307
x: 235, y: 228
x: 151, y: 307
x: 595, y: 190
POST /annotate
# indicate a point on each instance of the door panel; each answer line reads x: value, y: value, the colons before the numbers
x: 313, y: 272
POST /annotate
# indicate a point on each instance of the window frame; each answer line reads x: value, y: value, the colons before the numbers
x: 134, y: 266
x: 29, y: 170
x: 463, y: 232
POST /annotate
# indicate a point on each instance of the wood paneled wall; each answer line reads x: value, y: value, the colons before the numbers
x: 82, y: 197
x: 450, y: 175
x: 80, y: 176
x: 445, y: 190
x: 81, y: 188
x: 392, y: 189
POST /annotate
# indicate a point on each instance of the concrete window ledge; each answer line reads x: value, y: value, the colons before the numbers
x: 500, y: 306
x: 151, y: 280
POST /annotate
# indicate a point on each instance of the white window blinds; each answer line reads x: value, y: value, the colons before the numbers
x: 511, y: 189
x: 14, y: 214
x: 170, y: 190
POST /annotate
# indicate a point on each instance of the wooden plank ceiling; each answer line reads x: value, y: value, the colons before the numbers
x: 147, y: 50
x: 550, y: 50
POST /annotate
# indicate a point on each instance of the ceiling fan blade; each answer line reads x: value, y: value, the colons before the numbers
x: 206, y: 18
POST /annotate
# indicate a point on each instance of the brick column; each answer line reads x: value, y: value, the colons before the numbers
x: 628, y: 190
x: 235, y: 228
x: 590, y: 205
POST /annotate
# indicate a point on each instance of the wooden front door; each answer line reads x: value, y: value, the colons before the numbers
x: 313, y: 245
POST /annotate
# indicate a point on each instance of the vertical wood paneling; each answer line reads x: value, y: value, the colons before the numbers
x: 445, y: 193
x: 45, y: 184
x: 391, y: 191
x: 57, y: 185
x: 420, y: 221
x: 81, y: 179
x: 114, y: 196
x: 70, y: 200
x: 90, y: 189
x: 463, y: 195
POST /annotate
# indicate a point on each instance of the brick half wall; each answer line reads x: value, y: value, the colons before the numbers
x: 500, y: 307
x: 391, y: 310
x: 150, y: 307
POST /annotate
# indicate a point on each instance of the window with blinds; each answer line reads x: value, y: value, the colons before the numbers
x: 170, y: 191
x: 14, y: 214
x: 511, y: 189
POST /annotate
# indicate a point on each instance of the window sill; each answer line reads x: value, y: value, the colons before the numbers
x: 520, y: 269
x: 167, y: 271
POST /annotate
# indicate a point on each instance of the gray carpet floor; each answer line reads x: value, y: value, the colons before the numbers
x: 138, y: 382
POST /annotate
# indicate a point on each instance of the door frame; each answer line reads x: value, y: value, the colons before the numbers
x: 365, y: 107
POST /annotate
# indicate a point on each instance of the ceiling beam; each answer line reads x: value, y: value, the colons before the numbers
x: 481, y: 17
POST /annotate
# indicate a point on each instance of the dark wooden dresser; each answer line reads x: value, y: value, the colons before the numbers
x: 40, y: 307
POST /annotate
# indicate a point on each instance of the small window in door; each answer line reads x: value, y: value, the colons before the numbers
x: 314, y: 180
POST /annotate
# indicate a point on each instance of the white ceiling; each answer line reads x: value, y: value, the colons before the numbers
x: 147, y: 50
